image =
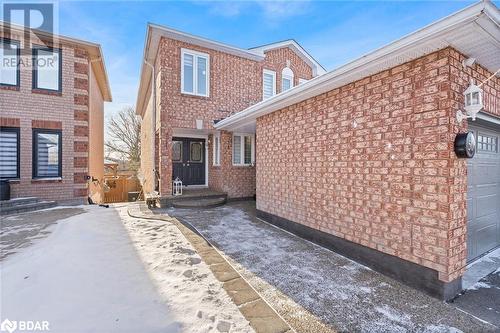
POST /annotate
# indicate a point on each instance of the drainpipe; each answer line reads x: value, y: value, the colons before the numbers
x: 153, y: 121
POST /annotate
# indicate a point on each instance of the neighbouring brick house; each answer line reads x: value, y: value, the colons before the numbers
x: 52, y: 94
x: 197, y: 82
x: 361, y: 159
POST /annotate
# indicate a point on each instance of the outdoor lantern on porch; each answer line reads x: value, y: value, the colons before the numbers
x: 473, y: 96
x: 177, y: 187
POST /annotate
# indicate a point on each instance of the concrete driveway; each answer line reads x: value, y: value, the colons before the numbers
x: 302, y: 280
x: 75, y: 268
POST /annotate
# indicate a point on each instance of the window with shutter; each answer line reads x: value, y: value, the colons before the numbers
x: 9, y: 153
x: 269, y: 83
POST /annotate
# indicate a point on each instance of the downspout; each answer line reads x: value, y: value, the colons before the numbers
x: 153, y: 122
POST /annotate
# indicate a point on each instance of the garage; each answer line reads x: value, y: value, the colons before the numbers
x: 483, y: 191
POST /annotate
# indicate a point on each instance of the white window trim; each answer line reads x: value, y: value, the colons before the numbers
x: 195, y: 55
x: 242, y: 151
x: 270, y: 72
x: 216, y: 159
x: 301, y: 80
x: 289, y: 77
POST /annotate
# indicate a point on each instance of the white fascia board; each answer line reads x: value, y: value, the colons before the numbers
x: 204, y: 42
x: 317, y: 68
x: 359, y: 68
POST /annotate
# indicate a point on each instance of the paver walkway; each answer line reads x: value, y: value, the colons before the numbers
x: 261, y: 316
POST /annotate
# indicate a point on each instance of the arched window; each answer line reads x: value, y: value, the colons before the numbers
x: 286, y: 79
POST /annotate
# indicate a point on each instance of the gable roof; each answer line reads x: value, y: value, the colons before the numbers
x: 154, y: 33
x: 292, y: 44
x: 474, y: 31
x: 94, y: 50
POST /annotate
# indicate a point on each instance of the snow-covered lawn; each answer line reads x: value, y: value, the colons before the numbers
x: 102, y: 271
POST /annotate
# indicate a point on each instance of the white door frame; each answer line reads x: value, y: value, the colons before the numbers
x: 197, y: 136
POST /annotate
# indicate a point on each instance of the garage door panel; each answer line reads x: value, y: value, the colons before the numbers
x: 486, y: 205
x: 483, y: 193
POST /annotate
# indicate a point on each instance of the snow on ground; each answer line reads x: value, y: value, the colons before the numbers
x: 297, y: 277
x: 84, y: 276
x: 195, y: 297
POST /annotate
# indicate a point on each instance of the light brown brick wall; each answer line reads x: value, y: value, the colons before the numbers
x: 69, y: 110
x: 235, y: 84
x: 393, y: 182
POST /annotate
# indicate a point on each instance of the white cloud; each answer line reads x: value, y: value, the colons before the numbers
x: 283, y: 8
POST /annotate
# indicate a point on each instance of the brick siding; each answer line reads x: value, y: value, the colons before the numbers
x: 235, y: 84
x: 66, y: 110
x: 373, y: 162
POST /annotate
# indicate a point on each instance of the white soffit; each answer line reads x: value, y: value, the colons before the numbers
x: 474, y: 31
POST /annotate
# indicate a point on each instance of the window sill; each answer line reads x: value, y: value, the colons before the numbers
x: 46, y: 92
x: 244, y: 165
x: 184, y: 94
x: 9, y: 87
x: 12, y: 180
x: 47, y: 180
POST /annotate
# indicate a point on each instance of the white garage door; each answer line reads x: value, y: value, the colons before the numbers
x: 483, y: 193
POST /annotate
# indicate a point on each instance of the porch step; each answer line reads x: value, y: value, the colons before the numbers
x: 24, y: 205
x: 200, y: 203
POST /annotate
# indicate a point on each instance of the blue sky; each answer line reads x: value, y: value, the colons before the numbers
x: 334, y: 32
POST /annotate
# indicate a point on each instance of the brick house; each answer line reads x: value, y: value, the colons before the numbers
x: 52, y: 94
x: 196, y: 83
x: 361, y: 159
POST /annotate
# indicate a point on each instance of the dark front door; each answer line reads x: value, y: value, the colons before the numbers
x: 188, y: 157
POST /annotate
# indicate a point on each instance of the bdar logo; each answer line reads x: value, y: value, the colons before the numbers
x: 8, y: 326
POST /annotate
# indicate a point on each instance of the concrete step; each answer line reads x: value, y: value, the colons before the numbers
x: 28, y: 207
x: 200, y: 203
x: 18, y: 202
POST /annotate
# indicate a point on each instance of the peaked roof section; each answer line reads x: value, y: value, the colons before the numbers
x: 291, y: 43
x: 474, y: 31
x: 94, y: 50
x: 155, y: 32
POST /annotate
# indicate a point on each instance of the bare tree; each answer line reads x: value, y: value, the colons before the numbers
x: 124, y: 138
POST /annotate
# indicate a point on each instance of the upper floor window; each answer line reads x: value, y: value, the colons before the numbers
x: 268, y: 83
x: 243, y: 149
x: 286, y: 79
x: 9, y: 62
x: 195, y: 73
x: 47, y: 69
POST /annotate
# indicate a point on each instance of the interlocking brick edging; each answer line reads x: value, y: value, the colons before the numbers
x: 262, y: 317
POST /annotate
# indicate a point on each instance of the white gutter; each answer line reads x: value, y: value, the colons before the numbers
x: 333, y: 79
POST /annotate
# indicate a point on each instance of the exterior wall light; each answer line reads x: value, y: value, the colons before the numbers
x: 473, y: 96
